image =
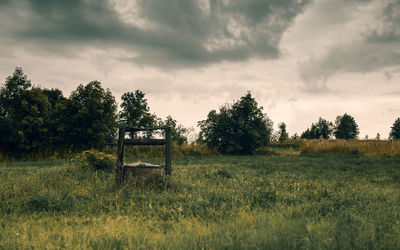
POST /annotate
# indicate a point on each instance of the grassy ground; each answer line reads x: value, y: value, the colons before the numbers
x: 312, y: 201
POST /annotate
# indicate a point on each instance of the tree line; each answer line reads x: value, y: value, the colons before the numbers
x: 34, y: 119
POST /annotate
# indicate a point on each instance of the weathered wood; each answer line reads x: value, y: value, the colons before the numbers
x: 144, y: 142
x: 168, y: 169
x: 146, y: 165
x: 141, y: 174
x: 143, y: 129
x: 120, y: 155
x: 120, y: 172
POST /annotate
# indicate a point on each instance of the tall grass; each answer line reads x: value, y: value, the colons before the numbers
x: 245, y: 202
x: 364, y: 147
x: 130, y: 151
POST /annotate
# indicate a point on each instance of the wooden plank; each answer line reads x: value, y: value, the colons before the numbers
x: 144, y: 142
x: 120, y: 155
x: 130, y: 129
x: 168, y: 153
x: 135, y: 166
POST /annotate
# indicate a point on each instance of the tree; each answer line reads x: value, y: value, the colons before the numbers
x: 89, y: 117
x: 346, y: 127
x: 55, y: 126
x: 309, y: 133
x: 177, y: 131
x: 283, y: 135
x: 11, y: 92
x: 24, y: 114
x: 320, y: 130
x: 238, y: 128
x: 395, y: 129
x: 323, y: 128
x: 135, y: 111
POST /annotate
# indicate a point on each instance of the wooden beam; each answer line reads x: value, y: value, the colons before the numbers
x: 144, y: 142
x: 130, y: 129
x: 168, y: 151
x: 120, y: 155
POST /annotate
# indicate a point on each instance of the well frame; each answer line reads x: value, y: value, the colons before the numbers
x: 166, y: 142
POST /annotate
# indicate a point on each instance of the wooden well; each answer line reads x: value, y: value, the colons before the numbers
x: 142, y: 171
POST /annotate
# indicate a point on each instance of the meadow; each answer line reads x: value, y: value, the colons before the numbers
x: 305, y: 201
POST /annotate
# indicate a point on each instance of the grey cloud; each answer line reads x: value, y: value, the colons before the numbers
x: 167, y: 89
x: 376, y: 49
x: 167, y: 33
x: 388, y: 31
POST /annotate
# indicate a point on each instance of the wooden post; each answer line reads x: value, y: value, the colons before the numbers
x: 168, y: 151
x: 120, y: 155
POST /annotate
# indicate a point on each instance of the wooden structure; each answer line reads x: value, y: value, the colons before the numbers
x: 122, y: 142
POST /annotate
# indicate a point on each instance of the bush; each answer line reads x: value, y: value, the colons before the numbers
x: 96, y: 160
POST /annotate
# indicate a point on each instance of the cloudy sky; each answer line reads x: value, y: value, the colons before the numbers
x: 302, y: 59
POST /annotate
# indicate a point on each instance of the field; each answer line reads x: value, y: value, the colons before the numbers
x: 313, y: 201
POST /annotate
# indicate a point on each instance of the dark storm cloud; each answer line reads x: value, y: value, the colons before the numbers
x: 389, y: 30
x: 177, y: 32
x: 376, y: 49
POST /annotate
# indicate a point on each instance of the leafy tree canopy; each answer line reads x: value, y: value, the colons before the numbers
x: 12, y: 91
x: 177, y: 131
x: 322, y: 129
x: 135, y: 111
x: 238, y: 128
x: 55, y: 124
x: 24, y: 115
x: 89, y: 116
x: 283, y: 134
x: 346, y: 127
x: 395, y: 129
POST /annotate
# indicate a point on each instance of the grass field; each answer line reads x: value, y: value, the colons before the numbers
x: 312, y: 201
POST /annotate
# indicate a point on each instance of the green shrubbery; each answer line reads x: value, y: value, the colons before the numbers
x: 95, y: 160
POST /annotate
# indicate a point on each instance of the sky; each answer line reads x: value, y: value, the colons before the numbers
x: 301, y: 59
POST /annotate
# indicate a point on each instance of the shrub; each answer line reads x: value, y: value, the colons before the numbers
x: 96, y: 160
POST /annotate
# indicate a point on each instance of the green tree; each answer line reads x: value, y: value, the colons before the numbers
x: 395, y: 129
x: 345, y: 127
x: 238, y: 128
x: 24, y: 116
x: 135, y: 111
x: 33, y: 114
x: 11, y: 92
x: 177, y: 131
x: 55, y: 126
x: 89, y: 117
x: 283, y: 134
x: 309, y: 133
x: 322, y: 129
